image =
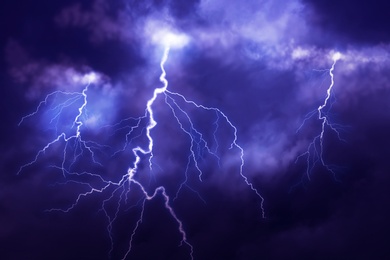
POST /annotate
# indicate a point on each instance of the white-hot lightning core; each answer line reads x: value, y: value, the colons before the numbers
x: 166, y: 36
x: 75, y: 145
x: 314, y: 154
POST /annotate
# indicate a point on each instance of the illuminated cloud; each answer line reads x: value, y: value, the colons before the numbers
x: 265, y: 64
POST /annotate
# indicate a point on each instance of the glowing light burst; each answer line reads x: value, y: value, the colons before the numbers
x: 79, y: 144
x: 169, y: 39
x: 120, y: 190
x: 315, y: 150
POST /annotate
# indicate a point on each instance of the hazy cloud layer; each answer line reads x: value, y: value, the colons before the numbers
x: 264, y: 64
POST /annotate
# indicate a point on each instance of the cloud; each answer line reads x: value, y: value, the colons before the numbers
x: 43, y: 77
x: 265, y: 64
x: 97, y: 21
x: 235, y: 38
x: 360, y: 22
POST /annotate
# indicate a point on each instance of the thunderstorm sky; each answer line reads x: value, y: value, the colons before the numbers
x: 265, y: 64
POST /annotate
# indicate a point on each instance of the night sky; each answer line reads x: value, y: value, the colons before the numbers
x: 265, y: 65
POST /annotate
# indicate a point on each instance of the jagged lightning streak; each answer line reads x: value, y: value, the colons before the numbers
x: 120, y: 189
x: 317, y: 156
x: 132, y: 171
x: 233, y: 144
x: 76, y: 137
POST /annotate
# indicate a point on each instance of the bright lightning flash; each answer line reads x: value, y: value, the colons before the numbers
x: 315, y: 150
x: 130, y: 184
x: 169, y: 39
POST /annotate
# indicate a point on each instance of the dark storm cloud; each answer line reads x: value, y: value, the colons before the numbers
x: 183, y: 9
x: 365, y: 22
x: 177, y: 8
x: 265, y: 64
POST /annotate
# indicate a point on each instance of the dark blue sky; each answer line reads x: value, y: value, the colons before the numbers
x: 263, y: 64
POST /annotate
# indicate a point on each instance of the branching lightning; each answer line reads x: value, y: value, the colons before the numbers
x: 121, y: 189
x: 315, y: 150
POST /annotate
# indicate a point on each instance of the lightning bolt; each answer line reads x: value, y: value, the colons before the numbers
x: 315, y: 150
x: 76, y: 138
x: 129, y: 185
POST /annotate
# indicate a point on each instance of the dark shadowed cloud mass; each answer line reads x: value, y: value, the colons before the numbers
x: 266, y: 65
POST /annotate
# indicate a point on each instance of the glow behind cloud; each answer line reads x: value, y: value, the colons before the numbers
x: 163, y: 34
x: 171, y: 39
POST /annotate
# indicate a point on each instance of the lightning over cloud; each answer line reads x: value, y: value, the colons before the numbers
x: 76, y: 148
x: 194, y: 129
x: 315, y: 150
